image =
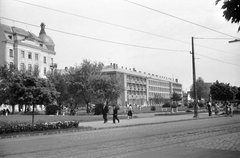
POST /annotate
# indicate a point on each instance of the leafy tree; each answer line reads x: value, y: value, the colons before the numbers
x: 81, y: 81
x: 59, y: 79
x: 202, y: 89
x: 221, y: 91
x: 176, y: 97
x: 10, y: 85
x: 238, y: 94
x: 231, y: 10
x: 37, y: 91
x: 107, y: 88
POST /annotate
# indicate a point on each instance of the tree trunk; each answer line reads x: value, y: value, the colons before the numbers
x: 33, y: 115
x: 88, y: 109
x: 13, y: 109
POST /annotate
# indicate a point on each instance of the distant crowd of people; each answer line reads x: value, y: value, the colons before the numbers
x: 215, y: 107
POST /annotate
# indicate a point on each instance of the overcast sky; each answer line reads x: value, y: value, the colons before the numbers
x: 158, y: 24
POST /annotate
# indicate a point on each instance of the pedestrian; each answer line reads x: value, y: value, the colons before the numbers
x: 217, y: 109
x: 7, y: 112
x: 227, y: 109
x: 209, y: 106
x: 3, y: 112
x: 231, y: 110
x: 105, y: 112
x: 130, y: 112
x: 115, y: 113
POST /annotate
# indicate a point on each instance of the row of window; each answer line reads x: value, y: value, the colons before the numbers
x: 29, y: 56
x: 36, y: 67
x: 158, y: 83
x: 135, y: 78
x: 164, y: 95
x: 177, y: 85
x: 159, y: 89
x: 135, y: 85
x: 136, y: 93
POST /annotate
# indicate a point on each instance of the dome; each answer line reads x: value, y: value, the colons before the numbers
x: 47, y: 40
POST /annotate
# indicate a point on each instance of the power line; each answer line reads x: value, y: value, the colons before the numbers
x: 178, y: 18
x: 100, y: 21
x: 102, y: 40
x: 121, y: 26
x: 217, y: 60
x: 119, y: 43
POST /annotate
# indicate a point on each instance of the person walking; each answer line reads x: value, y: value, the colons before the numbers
x: 115, y: 113
x: 209, y: 106
x: 105, y: 112
x: 130, y: 112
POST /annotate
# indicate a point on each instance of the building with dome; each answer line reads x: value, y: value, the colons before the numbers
x: 26, y: 50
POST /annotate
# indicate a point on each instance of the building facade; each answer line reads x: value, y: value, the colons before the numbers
x: 142, y: 88
x: 26, y: 50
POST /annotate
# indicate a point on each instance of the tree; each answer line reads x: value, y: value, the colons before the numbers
x: 107, y: 88
x: 60, y: 79
x: 81, y: 81
x: 221, y: 91
x: 231, y: 10
x: 10, y: 85
x: 38, y: 91
x: 176, y: 97
x: 238, y: 94
x: 201, y: 88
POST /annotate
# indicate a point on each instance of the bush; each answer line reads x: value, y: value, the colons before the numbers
x: 51, y: 109
x: 166, y: 105
x: 153, y: 108
x: 40, y: 126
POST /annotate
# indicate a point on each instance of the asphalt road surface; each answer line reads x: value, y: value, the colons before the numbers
x: 213, y: 137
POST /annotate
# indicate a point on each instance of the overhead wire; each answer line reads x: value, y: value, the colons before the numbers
x: 119, y: 43
x: 173, y: 16
x: 217, y: 59
x: 121, y: 26
x: 99, y: 39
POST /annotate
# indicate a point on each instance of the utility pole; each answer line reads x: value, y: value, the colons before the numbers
x: 194, y: 82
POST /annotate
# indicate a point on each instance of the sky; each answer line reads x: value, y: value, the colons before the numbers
x: 152, y: 36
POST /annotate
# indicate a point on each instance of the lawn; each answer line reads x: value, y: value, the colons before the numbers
x: 81, y: 116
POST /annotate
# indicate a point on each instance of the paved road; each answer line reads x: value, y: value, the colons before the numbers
x: 209, y: 137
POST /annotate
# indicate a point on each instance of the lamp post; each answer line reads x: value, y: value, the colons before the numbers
x: 194, y: 82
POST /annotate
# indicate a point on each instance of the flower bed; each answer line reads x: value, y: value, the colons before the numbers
x: 41, y: 126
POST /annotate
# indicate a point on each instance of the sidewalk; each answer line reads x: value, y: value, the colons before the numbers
x: 145, y: 119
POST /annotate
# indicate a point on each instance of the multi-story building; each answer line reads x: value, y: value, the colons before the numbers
x: 26, y: 50
x: 142, y: 88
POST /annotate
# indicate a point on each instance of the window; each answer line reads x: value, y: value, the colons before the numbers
x: 10, y: 37
x: 22, y: 54
x: 36, y: 56
x: 45, y: 71
x: 44, y: 60
x: 29, y: 55
x: 22, y: 66
x: 11, y: 53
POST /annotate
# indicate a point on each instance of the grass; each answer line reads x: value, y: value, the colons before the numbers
x: 81, y: 116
